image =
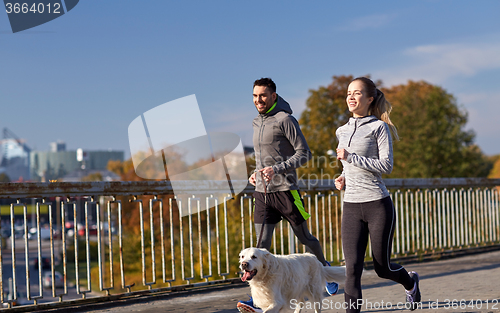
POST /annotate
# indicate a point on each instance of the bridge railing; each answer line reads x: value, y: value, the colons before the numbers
x: 143, y: 243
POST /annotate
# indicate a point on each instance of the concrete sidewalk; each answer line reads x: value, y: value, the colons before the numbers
x: 447, y: 286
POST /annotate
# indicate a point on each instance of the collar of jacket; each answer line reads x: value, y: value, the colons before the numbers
x: 271, y: 108
x: 362, y: 120
x: 279, y: 105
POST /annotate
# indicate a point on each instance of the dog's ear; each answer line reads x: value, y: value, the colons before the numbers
x: 264, y: 252
x: 268, y: 259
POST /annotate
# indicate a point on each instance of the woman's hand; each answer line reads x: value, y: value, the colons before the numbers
x: 342, y: 154
x: 340, y: 182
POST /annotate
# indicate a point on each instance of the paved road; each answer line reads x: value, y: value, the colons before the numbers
x: 474, y: 277
x: 34, y: 277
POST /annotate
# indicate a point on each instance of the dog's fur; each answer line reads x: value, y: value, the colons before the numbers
x: 277, y: 279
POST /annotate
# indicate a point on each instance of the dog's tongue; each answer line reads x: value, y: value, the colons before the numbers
x: 246, y: 275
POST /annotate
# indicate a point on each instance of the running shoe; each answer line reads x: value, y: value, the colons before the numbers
x: 248, y: 307
x: 413, y: 298
x: 331, y: 288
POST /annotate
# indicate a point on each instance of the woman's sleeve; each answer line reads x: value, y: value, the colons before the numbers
x: 384, y: 162
x: 337, y: 133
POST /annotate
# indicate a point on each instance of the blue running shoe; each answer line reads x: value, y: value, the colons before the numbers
x: 248, y: 307
x: 331, y: 288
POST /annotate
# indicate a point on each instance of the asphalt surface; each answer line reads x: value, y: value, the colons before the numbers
x: 34, y: 274
x: 464, y: 284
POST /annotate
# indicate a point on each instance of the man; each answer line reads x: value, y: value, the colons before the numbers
x: 280, y: 148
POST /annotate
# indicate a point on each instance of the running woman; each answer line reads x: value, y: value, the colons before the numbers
x: 365, y: 150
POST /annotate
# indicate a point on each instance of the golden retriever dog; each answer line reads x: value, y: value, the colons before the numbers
x: 279, y: 281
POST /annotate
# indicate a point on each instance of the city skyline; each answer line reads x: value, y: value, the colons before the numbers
x: 82, y: 78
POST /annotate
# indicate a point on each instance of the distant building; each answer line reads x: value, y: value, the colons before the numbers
x: 14, y: 159
x: 57, y: 146
x: 51, y: 165
x: 80, y: 174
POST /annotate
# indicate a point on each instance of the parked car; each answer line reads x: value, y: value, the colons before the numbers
x: 33, y: 232
x: 92, y: 231
x: 45, y: 263
x: 105, y: 228
x: 69, y: 225
x: 57, y: 233
x: 18, y: 233
x: 45, y: 233
x: 5, y: 232
x: 47, y: 279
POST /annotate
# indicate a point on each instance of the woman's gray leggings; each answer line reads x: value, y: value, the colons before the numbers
x: 312, y: 244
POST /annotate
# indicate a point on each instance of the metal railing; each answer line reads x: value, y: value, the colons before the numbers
x: 142, y: 242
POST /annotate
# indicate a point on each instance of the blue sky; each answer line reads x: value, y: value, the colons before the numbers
x: 84, y: 77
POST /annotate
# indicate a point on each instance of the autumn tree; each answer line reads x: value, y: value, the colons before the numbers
x: 495, y: 171
x: 130, y: 219
x: 4, y: 178
x: 93, y: 177
x: 125, y: 169
x: 430, y: 124
x: 326, y: 110
x: 434, y: 142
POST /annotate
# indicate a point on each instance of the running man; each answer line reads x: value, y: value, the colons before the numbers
x: 280, y: 148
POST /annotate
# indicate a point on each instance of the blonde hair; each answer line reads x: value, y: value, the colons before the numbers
x: 379, y: 107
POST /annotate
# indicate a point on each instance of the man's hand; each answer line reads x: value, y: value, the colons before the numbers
x: 267, y: 172
x: 252, y: 178
x: 340, y: 182
x: 342, y: 154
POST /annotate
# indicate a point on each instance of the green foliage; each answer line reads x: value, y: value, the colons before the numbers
x: 325, y: 112
x: 93, y: 177
x: 4, y: 178
x: 433, y: 141
x: 82, y: 250
x: 495, y: 171
x: 82, y: 262
x: 430, y: 124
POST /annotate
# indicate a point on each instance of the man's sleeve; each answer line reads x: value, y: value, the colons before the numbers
x: 292, y: 132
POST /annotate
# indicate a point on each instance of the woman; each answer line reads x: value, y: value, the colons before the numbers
x: 365, y: 149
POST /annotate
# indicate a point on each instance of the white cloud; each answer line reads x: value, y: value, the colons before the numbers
x: 460, y: 68
x: 438, y: 63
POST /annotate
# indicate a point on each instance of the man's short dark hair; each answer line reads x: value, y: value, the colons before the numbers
x: 266, y: 82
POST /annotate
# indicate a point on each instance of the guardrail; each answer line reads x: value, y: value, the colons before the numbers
x: 140, y: 231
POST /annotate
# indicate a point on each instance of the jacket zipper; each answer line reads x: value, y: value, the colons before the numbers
x: 355, y: 126
x: 260, y: 140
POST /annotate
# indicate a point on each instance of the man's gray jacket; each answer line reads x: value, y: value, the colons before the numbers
x: 279, y: 142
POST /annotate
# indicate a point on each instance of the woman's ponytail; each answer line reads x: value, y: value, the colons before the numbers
x: 379, y: 107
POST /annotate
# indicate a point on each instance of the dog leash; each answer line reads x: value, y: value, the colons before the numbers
x: 265, y: 210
